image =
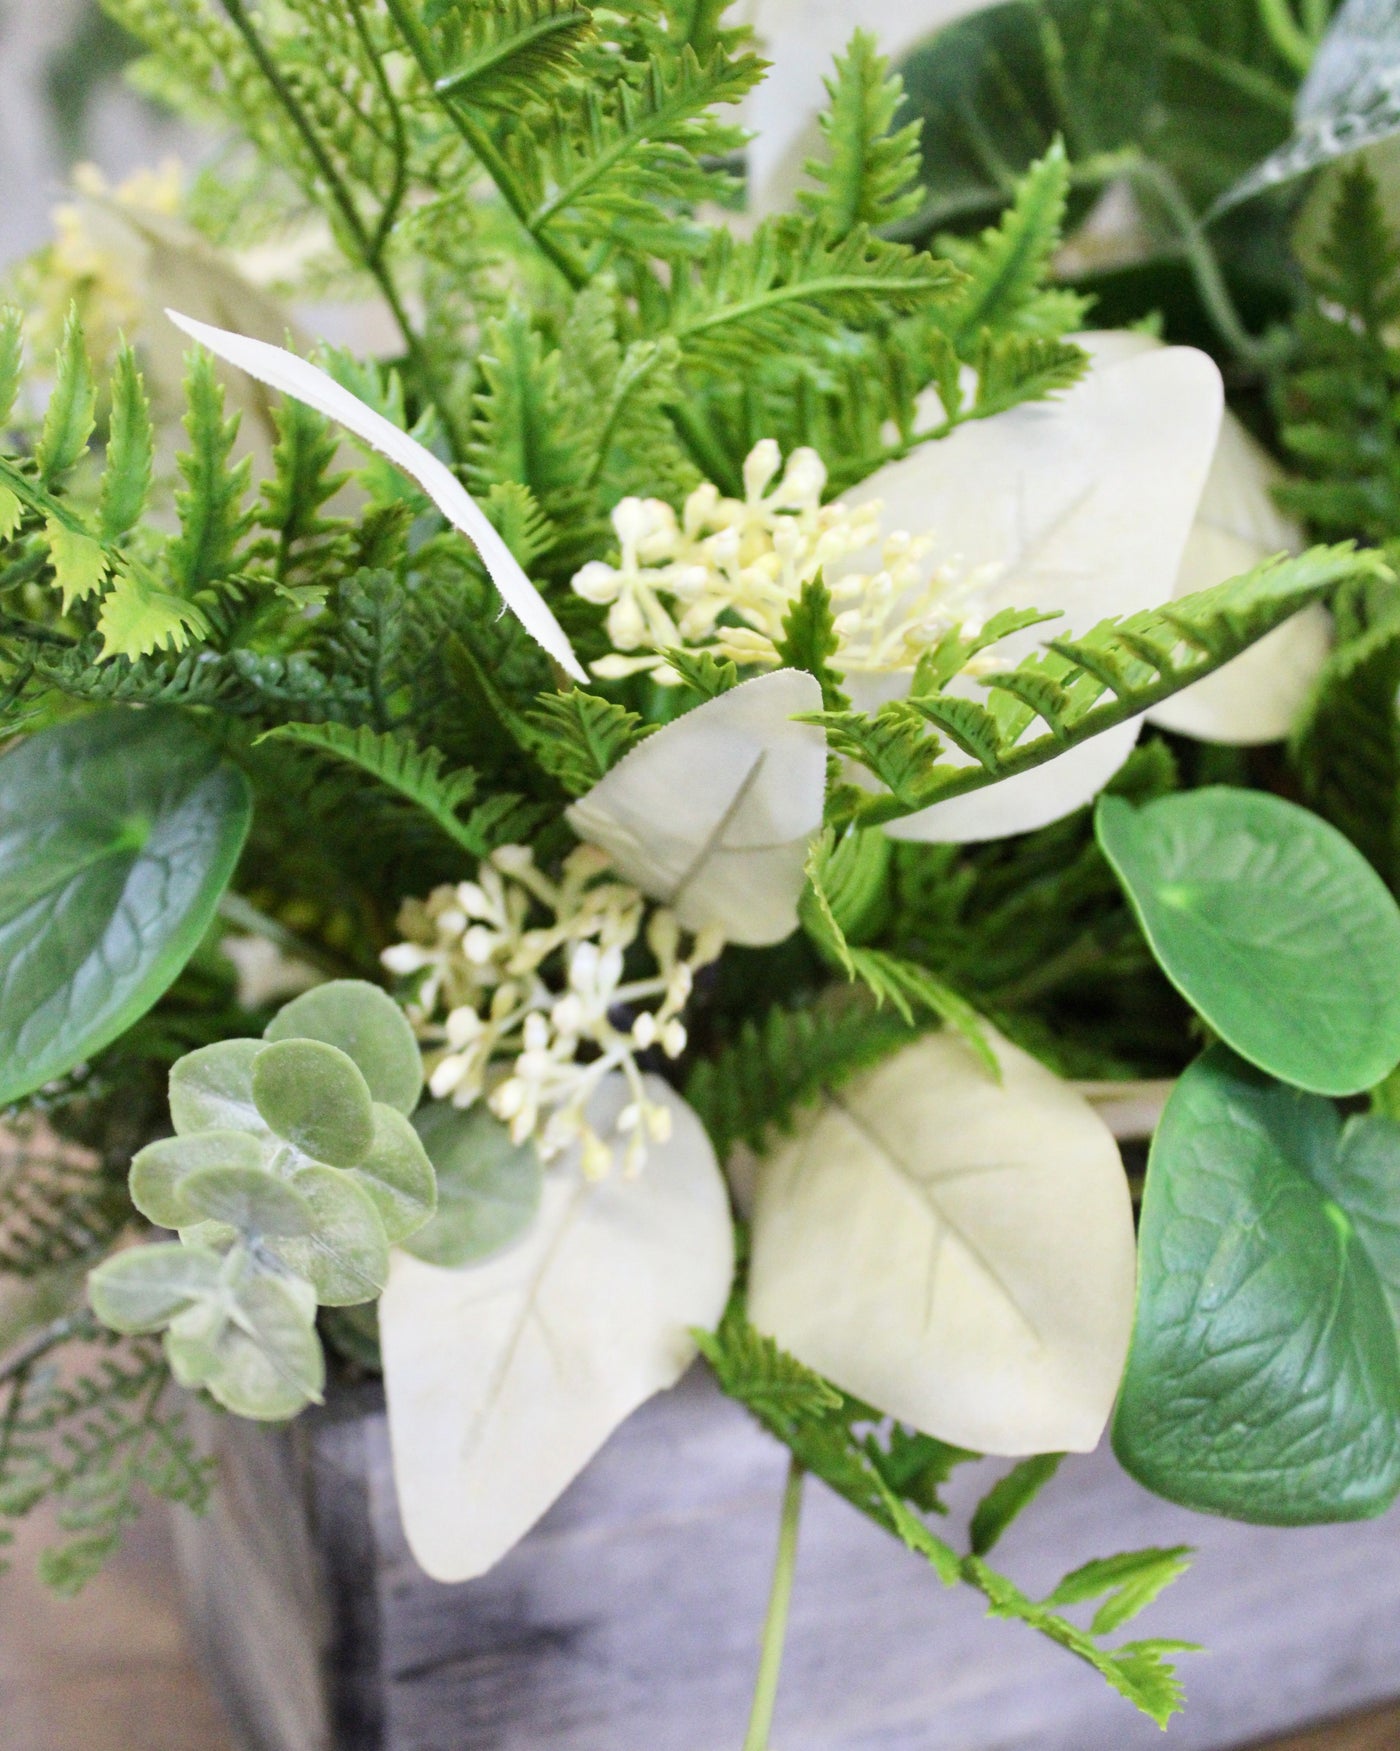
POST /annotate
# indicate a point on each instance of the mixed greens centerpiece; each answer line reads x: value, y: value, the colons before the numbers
x: 689, y: 802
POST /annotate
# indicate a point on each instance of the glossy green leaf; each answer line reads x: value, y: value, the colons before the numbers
x: 312, y: 1095
x: 345, y: 1255
x: 211, y: 1089
x: 368, y: 1026
x: 488, y: 1187
x: 397, y: 1175
x: 248, y: 1200
x: 118, y: 833
x: 1272, y: 924
x: 158, y: 1171
x: 142, y: 1289
x: 261, y: 1358
x: 1263, y: 1380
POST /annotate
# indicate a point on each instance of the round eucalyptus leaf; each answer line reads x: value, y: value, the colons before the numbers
x: 142, y: 1289
x: 248, y: 1199
x: 397, y: 1175
x: 211, y: 1089
x: 1272, y: 925
x: 488, y: 1187
x: 312, y: 1096
x: 344, y: 1255
x: 159, y: 1169
x: 368, y: 1026
x: 1263, y: 1381
x: 265, y: 1361
x: 118, y: 833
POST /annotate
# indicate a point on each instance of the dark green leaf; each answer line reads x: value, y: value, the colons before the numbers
x: 1008, y: 1496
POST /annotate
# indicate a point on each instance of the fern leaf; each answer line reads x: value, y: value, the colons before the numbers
x: 11, y: 357
x: 302, y: 482
x: 520, y: 429
x: 1008, y: 1498
x: 750, y: 1367
x: 139, y: 616
x: 1013, y: 368
x: 212, y: 523
x: 514, y: 52
x: 58, y: 1207
x: 578, y: 737
x: 702, y: 672
x: 126, y: 480
x: 395, y: 760
x: 870, y: 175
x: 71, y: 413
x: 79, y: 562
x: 1131, y: 1580
x: 809, y: 641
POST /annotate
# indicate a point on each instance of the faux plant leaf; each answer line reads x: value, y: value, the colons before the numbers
x: 140, y: 616
x: 158, y: 1170
x: 211, y: 1089
x: 344, y: 1254
x: 954, y: 1251
x: 368, y: 1026
x: 1259, y: 696
x: 118, y: 834
x: 79, y: 562
x: 397, y: 1175
x: 1081, y: 505
x: 505, y: 1378
x: 1349, y: 100
x: 1272, y: 924
x: 712, y: 815
x: 290, y: 375
x: 259, y: 1355
x: 142, y: 1289
x: 488, y: 1187
x: 1264, y: 1376
x: 312, y: 1095
x: 247, y: 1199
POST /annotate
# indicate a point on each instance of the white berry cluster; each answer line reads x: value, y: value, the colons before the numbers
x: 522, y: 998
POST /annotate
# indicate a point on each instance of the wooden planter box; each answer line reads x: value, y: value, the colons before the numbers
x: 629, y: 1619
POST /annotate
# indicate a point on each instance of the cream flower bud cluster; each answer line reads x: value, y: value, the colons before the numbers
x: 523, y: 999
x: 722, y: 576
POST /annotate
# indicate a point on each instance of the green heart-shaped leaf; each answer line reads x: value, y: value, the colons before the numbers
x: 158, y: 1172
x: 397, y: 1175
x: 344, y: 1255
x: 488, y: 1187
x: 314, y: 1098
x: 1263, y: 1380
x: 211, y: 1089
x: 118, y: 834
x: 1272, y: 924
x: 368, y: 1026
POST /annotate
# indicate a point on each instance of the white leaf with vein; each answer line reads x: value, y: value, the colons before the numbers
x: 504, y: 1378
x: 307, y: 383
x: 957, y: 1253
x: 713, y: 815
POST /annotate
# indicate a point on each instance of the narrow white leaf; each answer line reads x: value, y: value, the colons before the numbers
x: 504, y: 1378
x: 304, y: 382
x: 1082, y: 504
x: 714, y: 814
x: 957, y: 1253
x: 1257, y: 697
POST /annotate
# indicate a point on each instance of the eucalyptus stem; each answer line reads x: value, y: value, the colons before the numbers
x: 770, y: 1662
x: 1289, y: 37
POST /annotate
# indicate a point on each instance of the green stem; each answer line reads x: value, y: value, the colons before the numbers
x: 369, y: 249
x: 770, y: 1662
x: 244, y: 915
x: 1286, y: 34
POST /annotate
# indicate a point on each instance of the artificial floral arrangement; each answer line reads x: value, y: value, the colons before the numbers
x: 651, y: 821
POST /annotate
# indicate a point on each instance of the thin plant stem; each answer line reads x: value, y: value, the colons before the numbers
x: 244, y: 915
x: 770, y: 1661
x: 1287, y: 35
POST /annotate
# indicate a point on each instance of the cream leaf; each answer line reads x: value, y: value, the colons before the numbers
x: 958, y: 1253
x: 1257, y: 697
x: 504, y: 1378
x: 714, y: 813
x: 1081, y: 504
x: 304, y: 382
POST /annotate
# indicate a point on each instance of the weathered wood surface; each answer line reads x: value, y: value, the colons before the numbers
x: 628, y: 1621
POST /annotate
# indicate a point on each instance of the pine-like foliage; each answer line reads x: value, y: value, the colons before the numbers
x: 885, y: 1473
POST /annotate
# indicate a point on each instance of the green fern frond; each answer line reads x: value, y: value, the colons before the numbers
x: 870, y: 175
x: 508, y: 53
x: 308, y: 546
x: 57, y: 1207
x: 750, y: 1367
x: 212, y: 521
x: 395, y: 760
x: 520, y: 429
x: 11, y: 357
x: 578, y: 737
x: 1076, y: 687
x: 72, y: 410
x: 809, y: 642
x: 126, y: 480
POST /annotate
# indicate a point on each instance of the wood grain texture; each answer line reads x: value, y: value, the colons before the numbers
x: 628, y: 1621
